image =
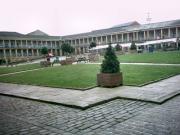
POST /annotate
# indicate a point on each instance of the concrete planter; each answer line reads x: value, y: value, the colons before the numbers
x: 68, y: 61
x: 109, y: 79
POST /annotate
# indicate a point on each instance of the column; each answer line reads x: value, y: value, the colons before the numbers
x: 144, y: 35
x: 147, y: 35
x: 106, y: 39
x: 75, y: 42
x: 169, y: 36
x: 134, y: 36
x: 87, y: 40
x: 84, y: 50
x: 101, y: 39
x: 21, y: 48
x: 154, y: 34
x: 122, y: 37
x: 176, y: 32
x: 10, y: 52
x: 60, y: 51
x: 55, y: 48
x: 27, y: 52
x: 79, y: 50
x: 137, y: 36
x: 51, y: 46
x: 83, y: 41
x: 169, y: 33
x: 75, y: 51
x: 4, y: 51
x: 22, y: 53
x: 127, y: 37
x: 37, y: 52
x: 32, y: 52
x: 117, y: 38
x: 111, y: 39
x: 161, y: 33
x: 9, y: 44
x: 15, y: 44
x: 3, y: 44
x: 16, y: 53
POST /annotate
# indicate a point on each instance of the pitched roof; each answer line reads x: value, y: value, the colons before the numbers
x: 7, y: 33
x: 33, y: 35
x: 134, y: 23
x: 37, y: 33
x: 132, y: 26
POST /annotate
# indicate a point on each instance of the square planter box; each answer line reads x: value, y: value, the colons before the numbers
x: 109, y: 79
x: 68, y: 61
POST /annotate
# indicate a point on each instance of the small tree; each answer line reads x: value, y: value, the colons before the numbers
x: 110, y: 63
x: 92, y: 44
x: 67, y: 48
x: 118, y: 47
x: 44, y: 51
x: 133, y: 46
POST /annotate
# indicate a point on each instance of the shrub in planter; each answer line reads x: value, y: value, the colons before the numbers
x: 110, y: 75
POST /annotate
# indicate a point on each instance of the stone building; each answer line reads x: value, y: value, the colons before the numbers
x: 13, y: 44
x: 156, y: 35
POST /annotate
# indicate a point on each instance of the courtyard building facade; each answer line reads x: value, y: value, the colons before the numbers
x: 13, y: 44
x: 125, y: 34
x: 163, y: 34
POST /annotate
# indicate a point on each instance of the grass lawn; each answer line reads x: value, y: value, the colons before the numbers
x: 5, y: 70
x: 84, y: 75
x: 171, y: 57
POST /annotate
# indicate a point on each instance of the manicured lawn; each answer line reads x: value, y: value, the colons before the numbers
x: 5, y: 70
x: 84, y: 75
x: 171, y: 57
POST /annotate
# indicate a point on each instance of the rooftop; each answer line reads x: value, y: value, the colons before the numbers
x: 37, y: 33
x: 125, y: 27
x: 131, y: 26
x: 34, y: 35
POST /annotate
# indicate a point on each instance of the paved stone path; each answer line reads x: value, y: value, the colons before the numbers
x: 157, y: 92
x: 20, y: 72
x: 153, y: 64
x: 118, y: 117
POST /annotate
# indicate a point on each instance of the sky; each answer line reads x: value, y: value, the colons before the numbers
x: 66, y: 17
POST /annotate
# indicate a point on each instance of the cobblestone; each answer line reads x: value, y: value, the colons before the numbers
x: 160, y: 120
x: 20, y: 116
x: 126, y: 117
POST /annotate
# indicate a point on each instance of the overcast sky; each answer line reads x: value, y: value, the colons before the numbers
x: 64, y: 17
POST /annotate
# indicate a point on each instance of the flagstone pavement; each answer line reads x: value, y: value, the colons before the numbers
x: 156, y: 92
x: 99, y: 111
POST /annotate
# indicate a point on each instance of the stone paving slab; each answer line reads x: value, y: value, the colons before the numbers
x: 157, y: 92
x: 152, y: 64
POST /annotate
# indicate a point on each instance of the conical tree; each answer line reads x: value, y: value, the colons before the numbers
x: 110, y: 63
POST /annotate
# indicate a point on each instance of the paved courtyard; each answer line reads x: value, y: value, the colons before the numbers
x: 149, y: 110
x: 126, y: 117
x: 156, y: 92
